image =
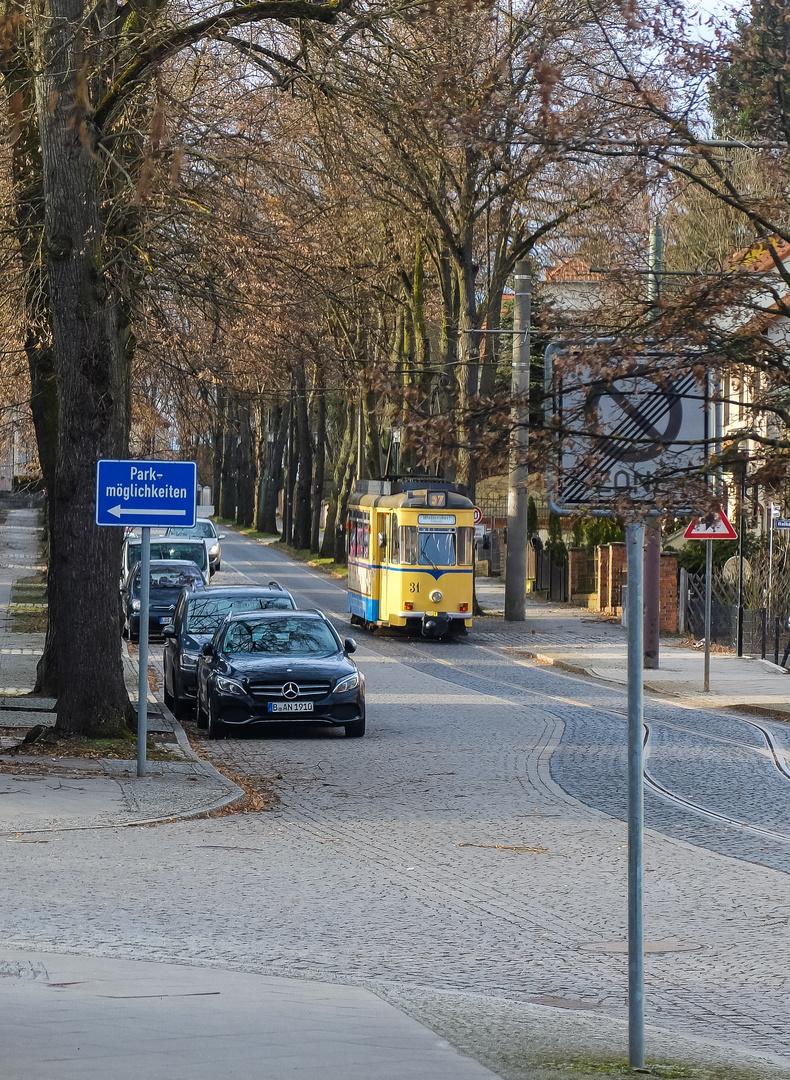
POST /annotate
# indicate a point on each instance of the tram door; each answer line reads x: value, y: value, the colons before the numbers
x: 383, y: 541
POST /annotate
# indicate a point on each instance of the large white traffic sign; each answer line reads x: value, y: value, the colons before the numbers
x: 623, y: 436
x: 713, y: 527
x: 146, y: 492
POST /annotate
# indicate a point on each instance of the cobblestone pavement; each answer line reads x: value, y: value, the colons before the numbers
x: 473, y: 842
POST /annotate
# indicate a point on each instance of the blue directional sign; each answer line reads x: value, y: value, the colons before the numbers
x: 140, y: 493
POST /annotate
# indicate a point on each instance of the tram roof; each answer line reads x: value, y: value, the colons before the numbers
x: 412, y: 496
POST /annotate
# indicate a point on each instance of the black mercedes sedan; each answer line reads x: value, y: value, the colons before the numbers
x: 275, y: 666
x: 196, y: 619
x: 168, y: 579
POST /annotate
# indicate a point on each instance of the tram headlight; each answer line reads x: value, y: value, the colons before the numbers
x: 436, y: 596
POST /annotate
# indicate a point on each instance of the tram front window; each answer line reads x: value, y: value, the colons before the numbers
x: 436, y: 548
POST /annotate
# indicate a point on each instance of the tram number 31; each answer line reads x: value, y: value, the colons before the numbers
x: 414, y: 586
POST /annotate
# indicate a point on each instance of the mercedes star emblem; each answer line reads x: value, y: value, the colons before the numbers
x: 290, y: 690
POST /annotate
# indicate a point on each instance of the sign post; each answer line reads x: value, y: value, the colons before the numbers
x: 621, y: 439
x: 713, y: 527
x: 145, y: 494
x: 635, y: 560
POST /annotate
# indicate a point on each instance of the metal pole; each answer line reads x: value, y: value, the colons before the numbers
x: 654, y: 267
x: 516, y: 557
x: 770, y: 554
x: 708, y: 604
x: 360, y: 437
x: 142, y: 651
x: 739, y: 631
x: 652, y: 586
x: 634, y: 540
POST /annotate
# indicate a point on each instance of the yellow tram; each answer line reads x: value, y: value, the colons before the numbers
x: 410, y: 546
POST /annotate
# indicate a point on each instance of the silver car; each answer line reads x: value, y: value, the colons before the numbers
x: 204, y: 530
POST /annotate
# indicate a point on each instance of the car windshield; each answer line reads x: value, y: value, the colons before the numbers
x: 169, y: 549
x: 206, y: 613
x: 280, y: 637
x: 437, y: 547
x: 201, y: 529
x: 171, y: 577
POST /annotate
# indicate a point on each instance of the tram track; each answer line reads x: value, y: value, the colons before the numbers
x: 410, y: 654
x: 770, y: 751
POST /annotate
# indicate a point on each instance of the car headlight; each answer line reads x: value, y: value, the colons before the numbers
x: 436, y: 596
x: 230, y: 686
x: 189, y: 660
x: 349, y: 683
x: 214, y: 550
x: 135, y: 605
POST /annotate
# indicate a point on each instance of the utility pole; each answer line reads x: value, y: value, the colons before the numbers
x: 516, y: 558
x: 652, y: 580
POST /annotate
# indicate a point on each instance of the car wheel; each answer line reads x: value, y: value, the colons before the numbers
x: 216, y: 729
x: 182, y: 710
x: 216, y: 565
x: 355, y: 730
x: 169, y: 701
x: 202, y: 719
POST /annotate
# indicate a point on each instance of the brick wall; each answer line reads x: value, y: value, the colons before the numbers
x: 668, y: 594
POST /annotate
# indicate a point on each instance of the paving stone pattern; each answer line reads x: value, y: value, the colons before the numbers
x: 394, y: 859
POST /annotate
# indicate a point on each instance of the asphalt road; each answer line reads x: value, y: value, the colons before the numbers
x: 472, y: 845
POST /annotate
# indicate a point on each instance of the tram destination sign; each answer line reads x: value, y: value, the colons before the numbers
x: 141, y: 493
x: 622, y: 437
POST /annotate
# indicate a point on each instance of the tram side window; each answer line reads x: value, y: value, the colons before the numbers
x: 465, y: 542
x: 408, y: 544
x: 359, y: 540
x: 394, y: 540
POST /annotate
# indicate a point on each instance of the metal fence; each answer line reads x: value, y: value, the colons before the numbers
x: 551, y: 578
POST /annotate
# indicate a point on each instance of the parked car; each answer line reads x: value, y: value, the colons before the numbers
x: 168, y: 579
x: 163, y: 548
x: 204, y: 530
x: 275, y: 666
x: 195, y: 621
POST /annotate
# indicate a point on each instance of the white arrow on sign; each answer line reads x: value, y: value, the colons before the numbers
x: 117, y: 511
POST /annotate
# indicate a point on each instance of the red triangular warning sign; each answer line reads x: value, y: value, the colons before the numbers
x: 711, y: 527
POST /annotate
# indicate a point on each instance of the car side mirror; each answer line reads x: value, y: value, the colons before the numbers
x: 208, y: 649
x: 221, y: 536
x: 168, y: 630
x: 349, y: 645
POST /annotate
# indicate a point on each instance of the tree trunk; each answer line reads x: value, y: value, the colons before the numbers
x: 302, y: 517
x: 230, y: 463
x: 272, y: 480
x: 320, y: 459
x: 219, y: 446
x: 245, y: 476
x: 92, y: 379
x: 344, y: 457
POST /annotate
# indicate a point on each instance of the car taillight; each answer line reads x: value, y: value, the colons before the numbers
x: 408, y: 606
x: 463, y: 607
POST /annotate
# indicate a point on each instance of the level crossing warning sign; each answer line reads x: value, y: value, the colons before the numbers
x: 714, y: 526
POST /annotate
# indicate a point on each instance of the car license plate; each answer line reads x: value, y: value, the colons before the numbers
x: 433, y: 613
x: 164, y: 619
x: 290, y: 706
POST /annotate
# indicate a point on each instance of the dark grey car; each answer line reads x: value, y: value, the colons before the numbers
x: 195, y: 620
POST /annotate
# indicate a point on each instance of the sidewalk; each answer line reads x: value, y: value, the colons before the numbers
x: 46, y: 793
x: 89, y: 1018
x: 580, y: 641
